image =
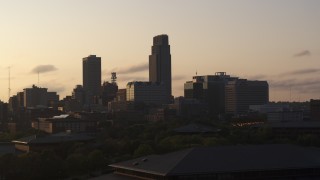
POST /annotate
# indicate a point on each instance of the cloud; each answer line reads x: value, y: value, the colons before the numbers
x: 258, y: 77
x: 303, y: 53
x: 308, y: 85
x: 301, y: 72
x: 43, y: 69
x: 133, y: 69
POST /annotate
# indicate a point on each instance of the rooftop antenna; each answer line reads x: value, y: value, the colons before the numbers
x: 9, y: 79
x: 196, y: 72
x: 290, y: 93
x: 38, y: 79
x: 114, y: 78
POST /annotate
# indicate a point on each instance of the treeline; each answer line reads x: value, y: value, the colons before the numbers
x: 125, y: 140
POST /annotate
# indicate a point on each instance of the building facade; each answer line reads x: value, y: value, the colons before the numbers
x: 315, y: 109
x: 160, y: 64
x: 146, y: 92
x: 241, y: 93
x: 78, y: 94
x: 35, y: 96
x: 91, y: 77
x: 209, y: 89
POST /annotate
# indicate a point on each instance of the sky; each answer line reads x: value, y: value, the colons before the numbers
x: 274, y: 40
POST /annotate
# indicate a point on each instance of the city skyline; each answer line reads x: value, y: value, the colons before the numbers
x: 273, y: 41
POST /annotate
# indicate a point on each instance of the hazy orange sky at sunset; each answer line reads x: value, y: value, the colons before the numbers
x: 272, y: 40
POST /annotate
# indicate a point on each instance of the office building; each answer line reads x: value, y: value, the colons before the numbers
x: 35, y: 97
x: 241, y: 93
x: 91, y: 77
x: 209, y: 89
x: 78, y: 94
x: 160, y: 64
x: 146, y: 92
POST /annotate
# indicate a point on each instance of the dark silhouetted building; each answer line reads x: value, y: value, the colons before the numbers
x: 119, y: 103
x: 160, y: 64
x: 3, y: 114
x: 241, y: 93
x: 209, y: 89
x: 108, y: 92
x: 38, y: 97
x: 35, y: 96
x: 91, y: 77
x: 146, y: 92
x: 78, y: 94
x: 225, y: 94
x: 315, y: 109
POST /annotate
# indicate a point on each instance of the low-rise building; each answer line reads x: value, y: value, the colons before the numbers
x: 146, y: 92
x: 64, y: 123
x: 239, y: 162
x: 37, y: 143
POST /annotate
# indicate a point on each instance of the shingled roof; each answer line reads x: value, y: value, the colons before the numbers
x: 239, y: 158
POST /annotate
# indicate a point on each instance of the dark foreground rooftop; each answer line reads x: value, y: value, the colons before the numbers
x: 226, y: 160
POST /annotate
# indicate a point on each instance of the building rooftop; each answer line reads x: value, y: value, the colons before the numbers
x: 297, y: 124
x: 54, y: 138
x: 241, y: 158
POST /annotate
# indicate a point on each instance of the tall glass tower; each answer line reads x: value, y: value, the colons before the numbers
x: 160, y: 64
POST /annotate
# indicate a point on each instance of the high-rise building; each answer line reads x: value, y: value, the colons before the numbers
x: 209, y: 89
x: 35, y: 96
x: 225, y: 94
x: 160, y: 64
x: 91, y: 77
x: 241, y: 93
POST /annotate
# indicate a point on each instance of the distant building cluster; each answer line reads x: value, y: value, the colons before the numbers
x: 225, y: 94
x: 217, y: 96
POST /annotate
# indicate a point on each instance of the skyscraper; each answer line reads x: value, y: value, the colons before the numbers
x: 160, y: 64
x: 91, y: 77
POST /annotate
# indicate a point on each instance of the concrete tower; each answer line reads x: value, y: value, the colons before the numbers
x: 160, y: 64
x: 91, y: 77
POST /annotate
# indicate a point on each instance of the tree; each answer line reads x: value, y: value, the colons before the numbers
x: 96, y: 160
x: 143, y: 150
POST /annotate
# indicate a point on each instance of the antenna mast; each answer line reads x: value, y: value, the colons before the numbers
x: 38, y: 79
x: 9, y: 87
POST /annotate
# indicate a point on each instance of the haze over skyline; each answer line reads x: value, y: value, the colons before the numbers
x: 277, y: 41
